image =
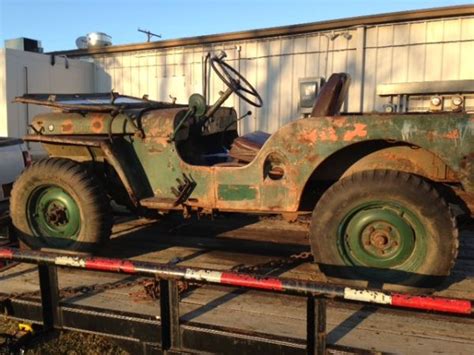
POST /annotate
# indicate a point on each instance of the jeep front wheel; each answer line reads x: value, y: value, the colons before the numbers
x: 57, y: 203
x: 384, y: 227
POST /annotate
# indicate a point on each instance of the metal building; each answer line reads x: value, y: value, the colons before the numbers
x: 28, y: 72
x: 401, y: 59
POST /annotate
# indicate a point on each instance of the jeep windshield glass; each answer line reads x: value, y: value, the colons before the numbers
x: 89, y: 102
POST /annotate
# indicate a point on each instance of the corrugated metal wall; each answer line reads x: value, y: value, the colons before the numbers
x: 414, y: 52
x: 392, y: 53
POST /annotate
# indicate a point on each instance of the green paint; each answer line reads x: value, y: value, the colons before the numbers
x: 54, y: 123
x: 236, y: 192
x: 382, y: 234
x: 153, y: 163
x: 52, y: 212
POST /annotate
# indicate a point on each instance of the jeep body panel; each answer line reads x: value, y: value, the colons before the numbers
x: 437, y: 146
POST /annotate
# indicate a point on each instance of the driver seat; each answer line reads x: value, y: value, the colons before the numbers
x: 328, y: 103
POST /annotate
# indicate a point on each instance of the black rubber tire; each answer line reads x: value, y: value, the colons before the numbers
x: 409, y: 190
x: 82, y: 186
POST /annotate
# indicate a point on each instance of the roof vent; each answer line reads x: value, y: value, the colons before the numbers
x: 94, y: 40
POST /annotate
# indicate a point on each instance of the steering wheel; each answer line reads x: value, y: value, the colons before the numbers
x: 235, y: 81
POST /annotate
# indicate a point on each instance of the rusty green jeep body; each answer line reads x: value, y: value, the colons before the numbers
x: 306, y: 152
x: 167, y: 157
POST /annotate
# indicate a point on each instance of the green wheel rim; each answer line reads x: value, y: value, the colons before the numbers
x: 382, y: 235
x: 54, y: 216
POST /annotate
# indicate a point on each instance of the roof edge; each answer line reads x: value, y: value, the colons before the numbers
x: 393, y: 17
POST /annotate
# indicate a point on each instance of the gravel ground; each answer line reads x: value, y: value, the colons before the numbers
x: 70, y: 343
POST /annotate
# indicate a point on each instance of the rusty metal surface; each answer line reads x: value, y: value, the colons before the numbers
x: 99, y: 102
x: 66, y: 140
x: 60, y: 123
x: 116, y: 162
x: 437, y: 146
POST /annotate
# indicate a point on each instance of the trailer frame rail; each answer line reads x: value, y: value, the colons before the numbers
x: 172, y: 331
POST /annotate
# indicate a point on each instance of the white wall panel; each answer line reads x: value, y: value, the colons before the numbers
x: 33, y: 73
x: 25, y: 72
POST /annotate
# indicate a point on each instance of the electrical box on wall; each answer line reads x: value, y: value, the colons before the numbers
x: 309, y: 89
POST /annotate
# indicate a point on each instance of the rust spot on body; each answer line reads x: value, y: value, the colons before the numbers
x: 156, y: 149
x: 312, y: 158
x: 339, y: 121
x: 67, y: 127
x: 359, y: 131
x: 454, y: 134
x: 309, y: 137
x: 97, y: 124
x: 328, y: 134
x: 325, y: 134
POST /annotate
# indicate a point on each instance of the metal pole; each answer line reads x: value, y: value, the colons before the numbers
x: 224, y: 96
x: 52, y: 314
x: 316, y: 326
x: 169, y: 304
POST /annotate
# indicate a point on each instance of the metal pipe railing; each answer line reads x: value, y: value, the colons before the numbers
x: 275, y: 284
x: 171, y: 338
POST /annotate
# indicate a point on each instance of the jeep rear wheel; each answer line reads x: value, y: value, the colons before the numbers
x: 384, y: 226
x: 57, y: 203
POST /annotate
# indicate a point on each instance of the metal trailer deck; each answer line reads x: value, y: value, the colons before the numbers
x: 226, y: 319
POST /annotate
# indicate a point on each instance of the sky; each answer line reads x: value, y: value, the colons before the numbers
x: 57, y: 23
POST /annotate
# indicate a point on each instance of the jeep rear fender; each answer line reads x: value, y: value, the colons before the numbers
x: 99, y: 149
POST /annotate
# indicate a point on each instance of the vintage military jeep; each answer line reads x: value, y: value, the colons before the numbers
x: 380, y: 187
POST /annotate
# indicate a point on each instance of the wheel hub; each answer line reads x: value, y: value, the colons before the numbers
x: 54, y: 215
x: 380, y: 239
x: 379, y: 235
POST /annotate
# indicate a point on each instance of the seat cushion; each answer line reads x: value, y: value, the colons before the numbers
x: 246, y: 147
x: 332, y: 95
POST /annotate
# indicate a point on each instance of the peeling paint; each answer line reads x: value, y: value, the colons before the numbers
x: 309, y: 137
x: 203, y: 275
x: 329, y: 134
x: 97, y: 124
x: 339, y: 121
x: 70, y: 261
x: 67, y: 127
x: 407, y: 130
x: 454, y: 134
x: 305, y: 143
x: 360, y: 131
x: 366, y: 296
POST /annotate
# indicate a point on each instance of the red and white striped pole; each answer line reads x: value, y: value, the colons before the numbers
x: 284, y: 285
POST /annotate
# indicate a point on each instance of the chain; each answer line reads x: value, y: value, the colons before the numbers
x: 151, y: 288
x: 275, y: 266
